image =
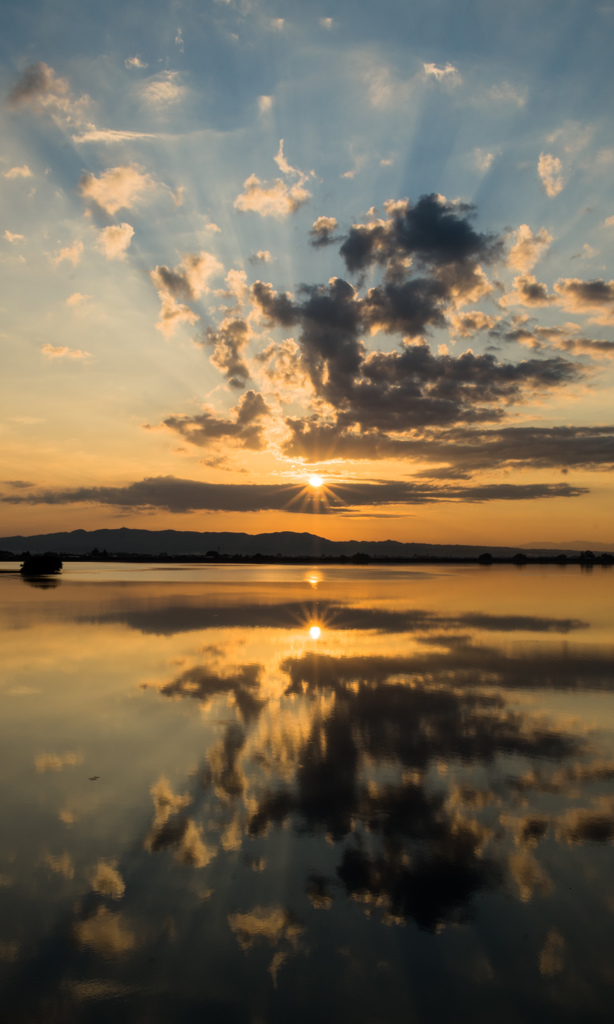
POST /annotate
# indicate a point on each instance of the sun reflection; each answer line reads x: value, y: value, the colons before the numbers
x: 313, y: 578
x: 314, y: 632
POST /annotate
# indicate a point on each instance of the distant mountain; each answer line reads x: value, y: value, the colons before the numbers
x: 182, y: 542
x: 573, y: 545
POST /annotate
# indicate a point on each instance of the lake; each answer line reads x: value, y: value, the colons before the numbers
x: 263, y: 794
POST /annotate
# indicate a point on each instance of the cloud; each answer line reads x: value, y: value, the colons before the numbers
x: 117, y: 188
x: 107, y: 881
x: 271, y: 923
x: 262, y: 256
x: 162, y: 90
x: 106, y: 933
x: 186, y: 282
x: 135, y: 62
x: 42, y: 90
x: 229, y: 342
x: 243, y: 427
x: 93, y: 134
x: 448, y: 73
x: 505, y: 92
x: 483, y: 159
x: 179, y: 40
x: 405, y: 388
x: 174, y: 494
x: 433, y: 231
x: 57, y: 762
x: 465, y: 325
x: 114, y: 240
x: 13, y: 238
x: 322, y: 231
x: 528, y: 291
x: 76, y: 299
x: 326, y: 22
x: 18, y: 172
x: 265, y: 103
x: 63, y: 352
x: 459, y: 451
x: 550, y: 170
x: 71, y: 253
x: 527, y: 248
x: 277, y: 198
x: 595, y: 297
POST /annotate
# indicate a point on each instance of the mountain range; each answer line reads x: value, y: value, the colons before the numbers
x: 126, y: 541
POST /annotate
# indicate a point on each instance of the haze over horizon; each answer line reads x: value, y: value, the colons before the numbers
x: 340, y: 269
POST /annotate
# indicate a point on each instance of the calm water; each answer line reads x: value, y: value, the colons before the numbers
x: 270, y: 794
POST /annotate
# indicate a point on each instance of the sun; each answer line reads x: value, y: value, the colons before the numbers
x: 314, y: 632
x: 315, y: 482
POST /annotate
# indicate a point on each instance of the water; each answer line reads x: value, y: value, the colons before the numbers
x: 260, y: 794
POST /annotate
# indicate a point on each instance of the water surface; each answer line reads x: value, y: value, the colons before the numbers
x: 271, y: 793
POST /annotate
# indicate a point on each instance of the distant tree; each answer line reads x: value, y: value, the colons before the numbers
x: 485, y: 558
x: 41, y: 565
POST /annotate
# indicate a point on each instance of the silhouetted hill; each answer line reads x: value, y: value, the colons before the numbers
x: 287, y: 544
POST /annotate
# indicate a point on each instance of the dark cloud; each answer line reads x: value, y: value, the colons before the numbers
x: 179, y: 495
x: 593, y: 293
x: 433, y: 232
x: 229, y: 342
x: 405, y: 388
x: 322, y: 232
x: 245, y: 426
x: 200, y: 683
x: 170, y: 617
x: 461, y: 450
x: 528, y: 291
x: 36, y: 81
x: 596, y: 297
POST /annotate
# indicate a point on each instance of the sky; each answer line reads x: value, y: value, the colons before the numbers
x: 338, y: 267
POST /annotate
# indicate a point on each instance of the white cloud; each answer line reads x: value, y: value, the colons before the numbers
x: 114, y: 240
x: 63, y: 352
x: 282, y: 163
x: 326, y: 22
x: 135, y: 62
x: 19, y: 172
x: 609, y: 222
x: 117, y: 188
x: 93, y: 134
x: 448, y: 73
x: 528, y: 247
x: 265, y: 103
x: 278, y: 24
x: 271, y: 200
x: 483, y: 159
x: 262, y: 256
x: 550, y: 171
x: 507, y: 93
x: 77, y: 299
x: 13, y: 239
x: 162, y: 90
x: 573, y: 136
x: 277, y: 198
x: 70, y: 253
x: 179, y: 40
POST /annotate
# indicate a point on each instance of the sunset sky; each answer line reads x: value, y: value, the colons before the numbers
x: 245, y: 243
